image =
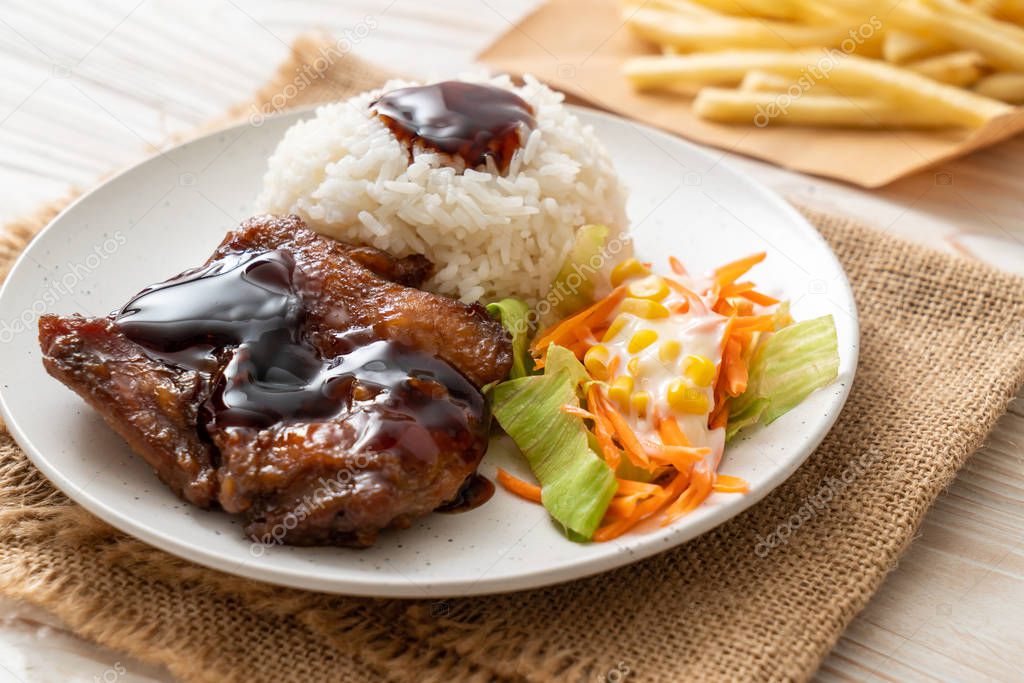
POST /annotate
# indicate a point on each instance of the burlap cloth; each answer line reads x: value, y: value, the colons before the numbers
x: 942, y: 354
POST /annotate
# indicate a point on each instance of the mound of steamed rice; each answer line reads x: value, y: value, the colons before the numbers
x: 490, y: 236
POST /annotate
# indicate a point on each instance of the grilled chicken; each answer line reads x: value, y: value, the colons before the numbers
x: 294, y: 379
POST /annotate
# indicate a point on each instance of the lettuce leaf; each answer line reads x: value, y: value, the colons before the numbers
x: 514, y: 316
x: 561, y: 359
x: 576, y: 484
x: 575, y: 284
x: 786, y: 367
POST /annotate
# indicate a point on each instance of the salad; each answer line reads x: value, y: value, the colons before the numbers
x: 624, y: 408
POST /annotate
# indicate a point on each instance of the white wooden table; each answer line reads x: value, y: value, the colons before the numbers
x: 86, y: 88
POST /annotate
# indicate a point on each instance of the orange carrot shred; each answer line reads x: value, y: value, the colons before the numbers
x: 523, y: 489
x: 731, y: 272
x: 759, y: 298
x: 603, y: 431
x: 692, y: 297
x: 725, y: 483
x: 735, y: 368
x: 593, y: 314
x: 629, y: 487
x: 671, y: 433
x: 630, y: 443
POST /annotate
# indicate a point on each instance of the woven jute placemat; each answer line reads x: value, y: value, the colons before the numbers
x: 763, y: 597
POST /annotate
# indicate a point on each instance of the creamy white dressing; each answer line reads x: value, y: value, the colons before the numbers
x: 700, y: 332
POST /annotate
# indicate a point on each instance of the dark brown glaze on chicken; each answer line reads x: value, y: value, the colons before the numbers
x: 288, y: 380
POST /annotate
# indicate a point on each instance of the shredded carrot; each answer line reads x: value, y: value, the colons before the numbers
x: 677, y: 266
x: 734, y: 369
x: 692, y: 297
x: 720, y: 415
x: 587, y: 318
x: 644, y: 510
x: 731, y: 272
x: 628, y: 486
x: 671, y: 433
x: 630, y: 443
x: 697, y: 491
x: 680, y: 457
x: 603, y: 431
x: 578, y: 348
x: 759, y: 298
x: 747, y: 291
x: 523, y: 489
x: 753, y: 323
x: 744, y: 307
x: 728, y: 484
x: 621, y: 508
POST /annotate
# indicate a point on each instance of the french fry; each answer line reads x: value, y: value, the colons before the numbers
x: 849, y: 74
x: 766, y: 109
x: 1007, y: 87
x: 815, y: 11
x: 766, y: 9
x: 728, y: 33
x: 900, y: 47
x: 1003, y: 10
x: 1010, y: 10
x: 961, y: 69
x: 1000, y: 42
x: 811, y: 11
x: 683, y: 7
x: 765, y: 81
x: 985, y: 17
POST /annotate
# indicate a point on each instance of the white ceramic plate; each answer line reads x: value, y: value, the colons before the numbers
x: 168, y: 213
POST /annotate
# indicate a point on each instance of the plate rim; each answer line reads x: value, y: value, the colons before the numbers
x: 575, y: 569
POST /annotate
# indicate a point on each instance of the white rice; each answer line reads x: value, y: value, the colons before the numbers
x: 489, y: 236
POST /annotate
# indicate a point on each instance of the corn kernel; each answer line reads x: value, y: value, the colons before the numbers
x: 616, y: 327
x: 641, y: 340
x: 651, y: 287
x: 596, y: 361
x: 669, y: 351
x: 620, y: 390
x: 686, y: 399
x: 633, y: 366
x: 629, y: 268
x: 644, y: 308
x: 639, y: 402
x: 700, y: 370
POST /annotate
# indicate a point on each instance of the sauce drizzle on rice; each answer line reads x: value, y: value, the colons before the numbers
x: 470, y: 120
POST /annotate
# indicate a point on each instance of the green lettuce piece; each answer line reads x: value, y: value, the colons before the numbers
x: 576, y: 484
x: 781, y: 318
x: 515, y: 318
x: 574, y: 286
x: 787, y: 366
x: 561, y: 359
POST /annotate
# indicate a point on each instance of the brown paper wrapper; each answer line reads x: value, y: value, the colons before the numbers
x: 579, y: 46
